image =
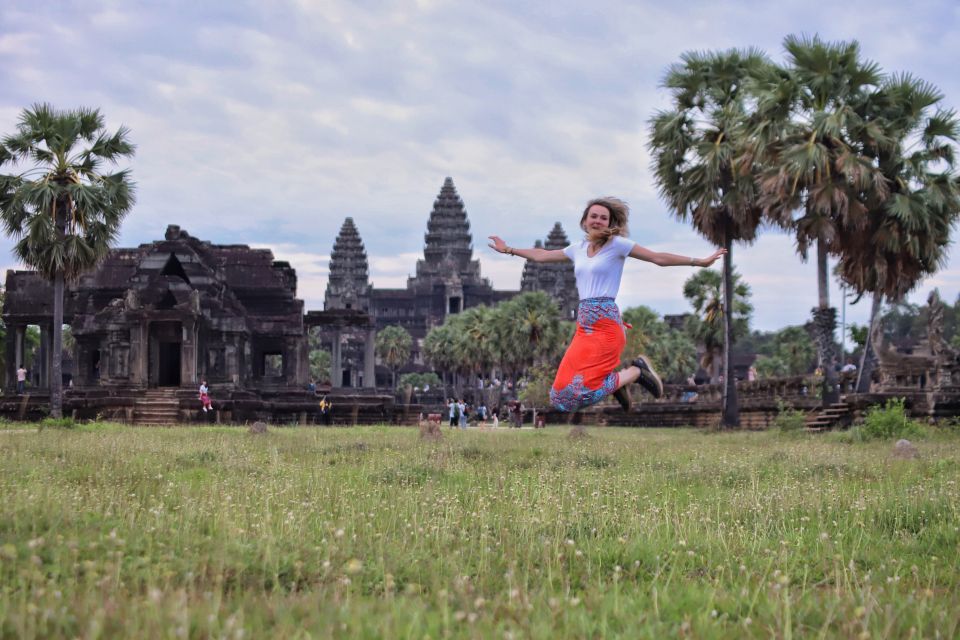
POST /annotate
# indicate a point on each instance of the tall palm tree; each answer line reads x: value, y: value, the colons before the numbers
x: 705, y: 292
x: 393, y: 345
x: 703, y: 165
x: 906, y: 234
x: 813, y: 137
x: 63, y: 209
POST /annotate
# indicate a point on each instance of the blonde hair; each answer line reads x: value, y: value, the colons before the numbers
x: 619, y: 214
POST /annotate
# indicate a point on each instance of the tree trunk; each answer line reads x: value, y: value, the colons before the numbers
x: 56, y: 368
x: 731, y: 408
x: 868, y: 360
x: 825, y: 325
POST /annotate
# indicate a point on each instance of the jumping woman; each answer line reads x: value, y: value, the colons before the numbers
x: 588, y: 372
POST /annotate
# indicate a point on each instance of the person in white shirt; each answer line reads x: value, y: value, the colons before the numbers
x: 588, y: 372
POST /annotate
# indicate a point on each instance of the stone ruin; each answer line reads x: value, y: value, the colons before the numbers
x: 151, y: 322
x: 928, y: 377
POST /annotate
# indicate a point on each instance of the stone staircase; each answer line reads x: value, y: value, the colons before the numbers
x: 837, y: 414
x: 157, y: 407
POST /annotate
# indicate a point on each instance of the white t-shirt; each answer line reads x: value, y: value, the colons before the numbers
x: 599, y: 276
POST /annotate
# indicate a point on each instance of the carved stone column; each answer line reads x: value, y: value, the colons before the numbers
x: 231, y: 357
x: 12, y: 346
x: 370, y: 360
x: 44, y: 357
x: 336, y: 366
x: 188, y: 353
x: 138, y: 353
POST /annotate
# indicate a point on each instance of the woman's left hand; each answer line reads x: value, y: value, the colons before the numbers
x: 713, y: 257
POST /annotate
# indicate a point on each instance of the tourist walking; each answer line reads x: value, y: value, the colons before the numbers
x: 462, y: 411
x: 588, y: 372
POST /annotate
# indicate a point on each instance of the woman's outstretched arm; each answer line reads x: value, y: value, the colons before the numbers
x: 536, y: 255
x: 664, y: 259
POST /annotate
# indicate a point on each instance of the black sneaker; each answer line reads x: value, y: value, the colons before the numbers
x: 648, y: 379
x: 623, y: 397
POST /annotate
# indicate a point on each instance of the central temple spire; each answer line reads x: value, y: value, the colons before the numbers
x: 448, y: 245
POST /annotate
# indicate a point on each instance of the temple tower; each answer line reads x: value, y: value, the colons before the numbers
x: 555, y: 278
x: 348, y: 286
x: 448, y: 275
x: 448, y: 247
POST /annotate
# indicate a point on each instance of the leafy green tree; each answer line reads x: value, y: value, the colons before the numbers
x: 673, y: 353
x: 647, y: 330
x: 320, y: 362
x: 907, y: 232
x: 419, y: 381
x: 703, y: 157
x: 476, y: 336
x: 708, y: 326
x: 393, y: 345
x: 64, y: 209
x: 3, y: 333
x: 812, y: 135
x: 529, y: 332
x: 791, y: 353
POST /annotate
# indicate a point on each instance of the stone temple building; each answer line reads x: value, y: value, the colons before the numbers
x: 167, y: 314
x: 447, y: 281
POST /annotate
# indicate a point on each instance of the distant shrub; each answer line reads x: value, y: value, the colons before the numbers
x: 58, y: 423
x: 951, y: 425
x: 789, y: 419
x: 890, y: 422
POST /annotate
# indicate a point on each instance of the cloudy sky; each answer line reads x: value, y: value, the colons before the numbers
x: 269, y: 123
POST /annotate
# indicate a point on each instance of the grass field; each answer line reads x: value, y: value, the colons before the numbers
x: 109, y: 531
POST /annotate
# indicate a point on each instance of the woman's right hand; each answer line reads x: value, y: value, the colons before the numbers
x: 498, y: 244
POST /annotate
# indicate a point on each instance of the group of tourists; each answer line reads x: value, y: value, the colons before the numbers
x: 460, y: 413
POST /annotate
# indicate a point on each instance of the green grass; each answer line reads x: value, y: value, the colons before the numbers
x: 109, y: 531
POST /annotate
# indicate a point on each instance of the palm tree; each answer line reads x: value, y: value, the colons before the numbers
x: 675, y: 355
x: 476, y: 337
x: 703, y: 164
x: 63, y: 209
x: 812, y: 135
x: 791, y: 353
x: 647, y: 329
x: 393, y: 345
x: 529, y: 331
x: 906, y: 234
x: 440, y: 350
x: 705, y: 291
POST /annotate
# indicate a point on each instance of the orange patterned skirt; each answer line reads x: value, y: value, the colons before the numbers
x: 589, y: 369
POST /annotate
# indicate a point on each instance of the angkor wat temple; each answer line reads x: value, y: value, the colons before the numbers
x: 447, y: 281
x: 152, y: 321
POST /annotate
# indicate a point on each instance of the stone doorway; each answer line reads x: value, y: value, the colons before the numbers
x: 165, y: 347
x: 168, y: 374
